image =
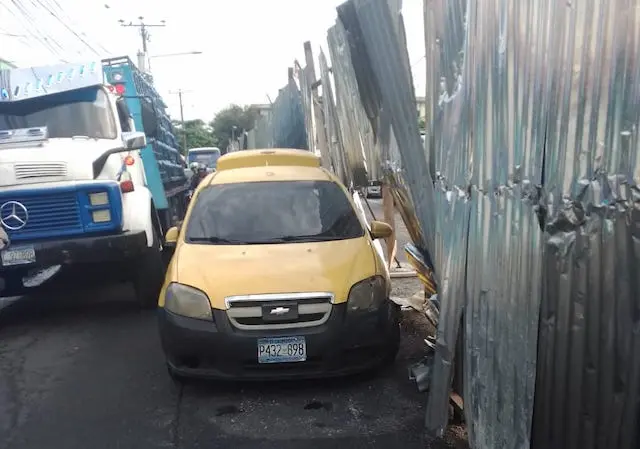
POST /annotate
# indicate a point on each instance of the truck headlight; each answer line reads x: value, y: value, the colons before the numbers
x: 99, y: 199
x: 367, y: 295
x: 188, y: 302
x: 101, y: 216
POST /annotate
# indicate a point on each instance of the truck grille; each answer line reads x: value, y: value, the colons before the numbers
x: 279, y: 311
x: 49, y: 214
x: 27, y: 170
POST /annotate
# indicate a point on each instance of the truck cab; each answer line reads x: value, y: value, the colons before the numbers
x: 73, y: 183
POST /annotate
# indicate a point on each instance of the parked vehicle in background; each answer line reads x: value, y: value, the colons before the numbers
x: 374, y: 189
x: 298, y: 289
x: 80, y: 184
x: 206, y: 155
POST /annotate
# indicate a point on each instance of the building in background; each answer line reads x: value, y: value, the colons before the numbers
x: 262, y: 109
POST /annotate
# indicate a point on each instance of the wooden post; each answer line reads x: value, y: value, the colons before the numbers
x: 318, y: 116
x: 389, y: 209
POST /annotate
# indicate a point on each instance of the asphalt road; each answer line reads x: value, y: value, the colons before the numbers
x: 86, y: 371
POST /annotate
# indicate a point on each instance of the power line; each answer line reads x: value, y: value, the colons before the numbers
x: 422, y: 58
x: 29, y: 25
x: 34, y: 27
x: 54, y: 4
x: 66, y: 25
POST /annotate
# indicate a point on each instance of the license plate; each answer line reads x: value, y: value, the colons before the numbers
x: 18, y: 256
x: 282, y: 350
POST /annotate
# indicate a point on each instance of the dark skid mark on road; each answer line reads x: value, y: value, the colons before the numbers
x: 318, y: 405
x: 228, y: 410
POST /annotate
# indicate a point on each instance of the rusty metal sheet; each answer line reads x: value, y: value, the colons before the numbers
x: 333, y: 131
x: 389, y: 64
x: 534, y: 111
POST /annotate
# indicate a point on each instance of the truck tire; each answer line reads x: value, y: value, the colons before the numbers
x: 149, y: 274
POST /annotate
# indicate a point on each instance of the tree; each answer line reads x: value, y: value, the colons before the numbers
x: 242, y: 118
x: 198, y: 133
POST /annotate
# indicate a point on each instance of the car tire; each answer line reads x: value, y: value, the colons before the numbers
x: 149, y: 274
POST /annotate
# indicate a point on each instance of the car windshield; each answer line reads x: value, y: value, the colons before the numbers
x: 208, y: 158
x: 82, y: 112
x: 273, y: 212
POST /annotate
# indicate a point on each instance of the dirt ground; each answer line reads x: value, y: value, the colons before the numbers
x: 415, y: 328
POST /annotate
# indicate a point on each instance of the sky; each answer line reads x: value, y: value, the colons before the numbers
x: 246, y: 45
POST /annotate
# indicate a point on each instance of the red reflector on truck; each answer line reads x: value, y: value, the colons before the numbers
x: 126, y: 186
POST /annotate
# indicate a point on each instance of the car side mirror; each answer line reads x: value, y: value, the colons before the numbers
x: 171, y: 237
x: 134, y: 140
x: 380, y: 230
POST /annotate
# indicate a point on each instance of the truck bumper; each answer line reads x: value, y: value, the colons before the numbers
x: 69, y: 253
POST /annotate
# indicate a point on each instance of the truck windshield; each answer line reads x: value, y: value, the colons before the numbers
x: 273, y: 212
x: 208, y: 158
x: 81, y: 112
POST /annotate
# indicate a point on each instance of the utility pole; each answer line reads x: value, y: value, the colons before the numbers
x: 179, y: 92
x: 144, y: 34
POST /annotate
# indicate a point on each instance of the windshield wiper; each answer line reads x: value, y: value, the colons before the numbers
x: 217, y: 240
x: 304, y: 238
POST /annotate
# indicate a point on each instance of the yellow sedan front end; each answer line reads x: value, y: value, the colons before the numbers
x: 274, y: 275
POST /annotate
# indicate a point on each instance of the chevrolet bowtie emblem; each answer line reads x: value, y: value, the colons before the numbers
x: 279, y: 311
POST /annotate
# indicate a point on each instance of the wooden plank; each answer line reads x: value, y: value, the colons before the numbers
x: 388, y: 208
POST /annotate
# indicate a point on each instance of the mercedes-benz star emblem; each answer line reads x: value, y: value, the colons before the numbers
x: 13, y: 215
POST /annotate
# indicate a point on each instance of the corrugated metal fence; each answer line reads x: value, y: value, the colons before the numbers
x: 525, y: 196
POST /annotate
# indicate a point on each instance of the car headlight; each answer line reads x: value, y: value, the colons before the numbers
x: 367, y: 295
x: 187, y: 301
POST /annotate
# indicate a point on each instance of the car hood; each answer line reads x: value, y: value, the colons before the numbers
x: 229, y: 270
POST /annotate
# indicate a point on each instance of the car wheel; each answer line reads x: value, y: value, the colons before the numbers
x: 149, y: 275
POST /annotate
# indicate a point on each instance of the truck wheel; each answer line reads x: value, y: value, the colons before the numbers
x: 149, y: 275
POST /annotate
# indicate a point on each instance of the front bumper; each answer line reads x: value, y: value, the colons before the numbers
x: 71, y: 252
x: 344, y: 345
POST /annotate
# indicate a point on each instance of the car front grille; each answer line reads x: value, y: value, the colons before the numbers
x: 279, y: 311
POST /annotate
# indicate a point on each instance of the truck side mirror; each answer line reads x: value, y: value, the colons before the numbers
x: 134, y: 140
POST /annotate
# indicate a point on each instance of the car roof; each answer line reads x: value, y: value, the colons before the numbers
x: 269, y: 165
x: 268, y: 157
x: 281, y: 173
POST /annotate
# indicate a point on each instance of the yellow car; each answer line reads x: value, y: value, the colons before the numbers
x: 274, y: 275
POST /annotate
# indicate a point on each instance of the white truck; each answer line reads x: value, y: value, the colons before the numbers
x: 77, y: 178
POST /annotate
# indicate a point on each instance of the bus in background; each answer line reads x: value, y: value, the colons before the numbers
x: 207, y: 156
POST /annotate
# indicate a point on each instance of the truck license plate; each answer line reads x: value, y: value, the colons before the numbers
x: 18, y: 256
x: 282, y: 350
